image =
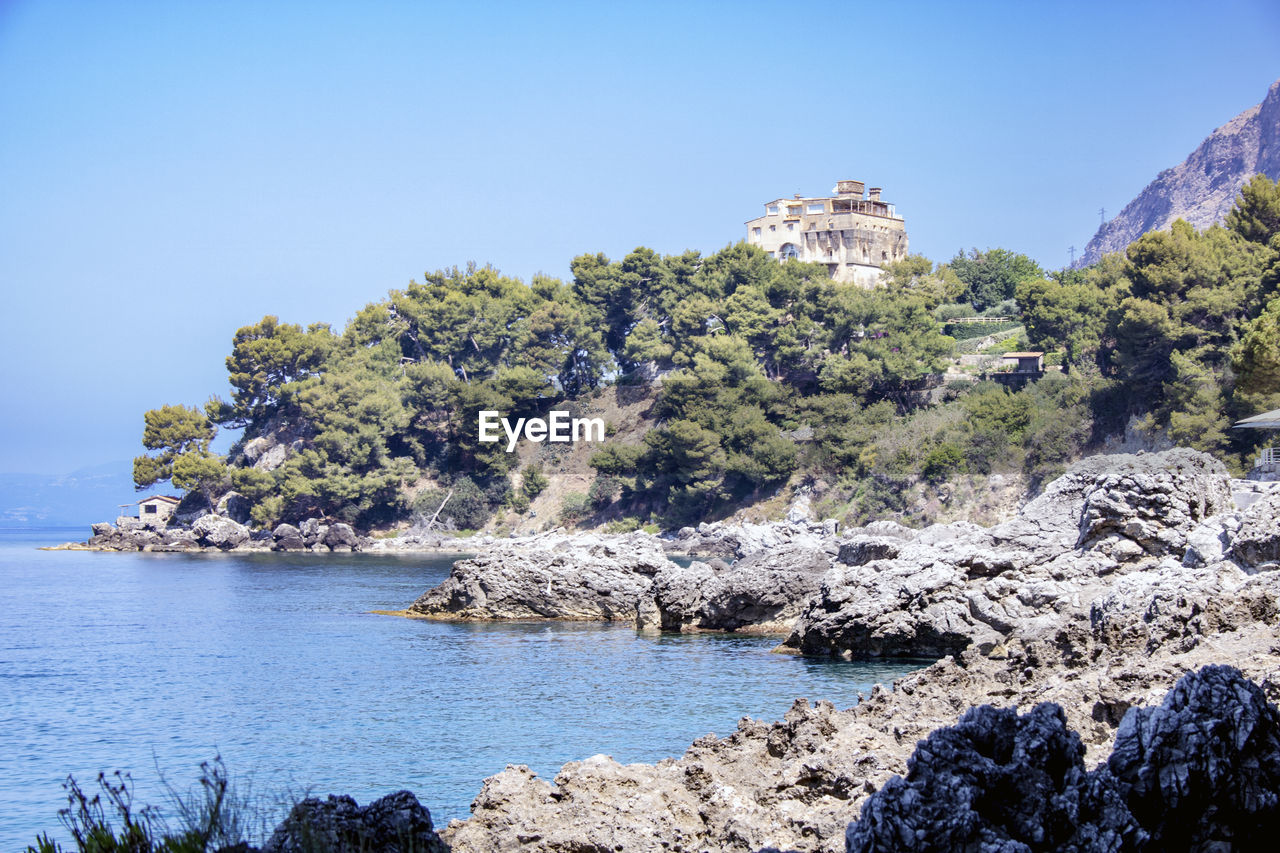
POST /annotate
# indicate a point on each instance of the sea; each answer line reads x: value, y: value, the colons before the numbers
x: 151, y: 664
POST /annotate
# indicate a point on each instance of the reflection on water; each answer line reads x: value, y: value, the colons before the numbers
x: 146, y: 661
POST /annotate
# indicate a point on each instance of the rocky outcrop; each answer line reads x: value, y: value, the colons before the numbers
x: 628, y: 578
x: 742, y: 539
x: 396, y: 823
x: 214, y: 531
x: 938, y: 591
x: 763, y: 593
x: 1203, y: 188
x: 1201, y: 771
x: 996, y: 780
x: 1256, y: 541
x: 797, y: 783
x: 589, y: 578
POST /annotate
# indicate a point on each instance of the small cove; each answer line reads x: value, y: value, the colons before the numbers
x: 141, y: 661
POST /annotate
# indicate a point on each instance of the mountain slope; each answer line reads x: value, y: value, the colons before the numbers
x: 81, y: 497
x: 1203, y: 187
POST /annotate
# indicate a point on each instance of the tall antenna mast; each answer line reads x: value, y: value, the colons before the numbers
x: 1072, y: 251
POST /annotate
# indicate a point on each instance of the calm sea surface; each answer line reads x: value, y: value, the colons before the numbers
x: 155, y: 663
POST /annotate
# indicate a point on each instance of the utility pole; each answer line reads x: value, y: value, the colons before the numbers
x: 1102, y: 216
x: 1072, y: 251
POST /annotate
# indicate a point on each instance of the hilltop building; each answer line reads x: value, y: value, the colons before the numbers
x: 855, y: 236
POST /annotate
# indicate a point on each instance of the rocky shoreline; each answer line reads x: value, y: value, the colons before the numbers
x: 1128, y: 573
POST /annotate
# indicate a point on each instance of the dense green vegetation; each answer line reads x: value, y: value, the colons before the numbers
x: 770, y: 372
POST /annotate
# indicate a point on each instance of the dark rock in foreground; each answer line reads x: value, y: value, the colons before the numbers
x: 1199, y: 772
x: 997, y: 781
x: 397, y: 823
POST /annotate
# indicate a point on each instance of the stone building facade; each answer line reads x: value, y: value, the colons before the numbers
x: 853, y: 232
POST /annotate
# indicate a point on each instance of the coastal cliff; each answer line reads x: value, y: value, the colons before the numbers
x: 1202, y: 188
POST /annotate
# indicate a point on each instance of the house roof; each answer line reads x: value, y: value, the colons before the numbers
x: 1023, y: 354
x: 166, y: 498
x: 1266, y: 420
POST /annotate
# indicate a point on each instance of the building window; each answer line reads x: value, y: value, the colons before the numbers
x: 773, y: 227
x: 814, y: 208
x: 755, y: 231
x: 772, y: 208
x: 791, y: 226
x: 149, y: 508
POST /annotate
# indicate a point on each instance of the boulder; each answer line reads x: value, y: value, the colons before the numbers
x: 1199, y: 772
x: 996, y: 781
x: 341, y: 535
x: 312, y: 531
x: 217, y: 532
x: 1202, y: 771
x: 1153, y: 501
x: 286, y: 537
x: 180, y: 538
x: 1257, y: 542
x: 234, y: 506
x: 396, y: 823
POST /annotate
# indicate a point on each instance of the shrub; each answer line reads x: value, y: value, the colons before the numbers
x: 603, y: 490
x: 212, y: 818
x: 533, y: 481
x: 574, y: 507
x: 940, y: 462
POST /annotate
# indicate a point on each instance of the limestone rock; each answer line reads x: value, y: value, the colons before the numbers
x: 396, y: 823
x: 287, y: 538
x: 764, y: 593
x: 1257, y: 543
x: 218, y: 532
x: 1154, y: 501
x: 313, y: 531
x: 588, y: 578
x: 1203, y: 188
x: 936, y: 591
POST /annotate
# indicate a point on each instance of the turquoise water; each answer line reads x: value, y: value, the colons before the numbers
x: 157, y: 662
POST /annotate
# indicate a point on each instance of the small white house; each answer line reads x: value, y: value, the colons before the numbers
x: 156, y: 509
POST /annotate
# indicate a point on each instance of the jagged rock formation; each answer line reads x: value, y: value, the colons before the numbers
x: 629, y: 578
x: 949, y: 586
x: 590, y: 578
x: 1203, y: 187
x: 1201, y: 771
x: 396, y: 823
x: 1087, y: 599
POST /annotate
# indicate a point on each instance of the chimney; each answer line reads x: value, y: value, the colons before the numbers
x: 873, y: 194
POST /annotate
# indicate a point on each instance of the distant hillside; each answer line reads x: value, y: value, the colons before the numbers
x: 81, y: 497
x: 1203, y: 187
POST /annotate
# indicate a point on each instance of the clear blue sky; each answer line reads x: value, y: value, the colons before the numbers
x: 172, y: 171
